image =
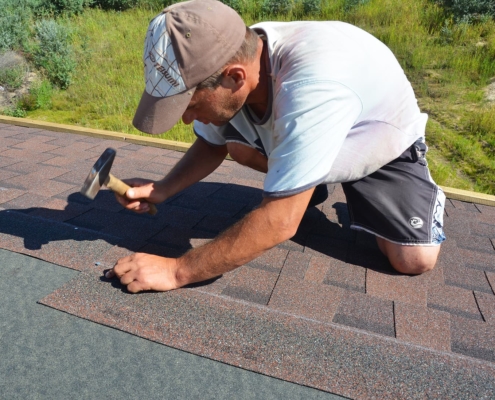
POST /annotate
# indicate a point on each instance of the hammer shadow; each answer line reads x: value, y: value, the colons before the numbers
x: 216, y: 206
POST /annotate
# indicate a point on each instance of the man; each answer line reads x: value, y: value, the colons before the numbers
x: 308, y: 103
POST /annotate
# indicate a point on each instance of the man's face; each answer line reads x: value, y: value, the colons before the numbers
x: 213, y: 106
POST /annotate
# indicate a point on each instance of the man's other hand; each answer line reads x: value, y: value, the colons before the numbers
x: 142, y: 271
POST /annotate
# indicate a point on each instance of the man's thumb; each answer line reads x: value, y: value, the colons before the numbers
x: 135, y: 193
x: 138, y: 190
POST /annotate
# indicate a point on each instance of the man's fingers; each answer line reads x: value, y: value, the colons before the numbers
x: 109, y: 273
x: 122, y: 267
x: 142, y: 271
x: 133, y: 205
x: 136, y: 286
x: 139, y: 192
x: 127, y: 278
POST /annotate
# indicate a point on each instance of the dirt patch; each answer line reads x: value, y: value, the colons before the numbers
x: 8, y: 96
x: 490, y: 91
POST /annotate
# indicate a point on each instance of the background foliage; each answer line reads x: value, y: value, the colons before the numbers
x: 88, y: 57
x: 469, y: 10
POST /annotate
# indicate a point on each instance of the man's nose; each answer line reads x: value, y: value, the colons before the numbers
x: 188, y: 117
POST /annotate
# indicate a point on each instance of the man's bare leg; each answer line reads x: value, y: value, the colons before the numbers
x: 411, y: 260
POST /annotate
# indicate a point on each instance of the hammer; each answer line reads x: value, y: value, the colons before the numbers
x: 100, y: 175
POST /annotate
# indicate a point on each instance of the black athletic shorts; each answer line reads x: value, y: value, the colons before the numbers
x: 399, y: 202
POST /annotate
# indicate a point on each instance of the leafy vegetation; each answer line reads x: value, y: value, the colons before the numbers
x: 53, y: 53
x: 15, y: 16
x: 118, y: 5
x: 60, y: 7
x: 12, y: 78
x: 446, y: 47
x: 470, y: 10
x: 39, y: 96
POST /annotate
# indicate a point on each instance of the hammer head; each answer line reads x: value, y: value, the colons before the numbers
x: 98, y: 174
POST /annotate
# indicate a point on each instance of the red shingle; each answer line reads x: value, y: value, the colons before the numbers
x: 366, y: 312
x: 7, y: 194
x: 454, y: 300
x: 252, y: 284
x: 486, y: 303
x: 296, y: 265
x: 473, y: 338
x: 271, y: 260
x: 397, y: 287
x: 340, y: 274
x: 310, y: 300
x: 422, y: 326
x: 35, y: 146
x: 491, y: 279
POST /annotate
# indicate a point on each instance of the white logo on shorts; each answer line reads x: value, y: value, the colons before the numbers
x: 416, y: 222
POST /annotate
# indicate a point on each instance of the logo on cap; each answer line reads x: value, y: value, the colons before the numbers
x: 162, y: 73
x: 416, y: 222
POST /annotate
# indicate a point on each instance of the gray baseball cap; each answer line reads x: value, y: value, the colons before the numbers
x: 184, y: 45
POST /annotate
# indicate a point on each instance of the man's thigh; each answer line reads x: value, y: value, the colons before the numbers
x: 399, y: 203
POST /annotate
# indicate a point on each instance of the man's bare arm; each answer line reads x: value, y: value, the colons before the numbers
x: 273, y: 222
x: 198, y: 162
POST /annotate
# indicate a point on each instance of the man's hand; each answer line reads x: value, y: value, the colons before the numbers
x: 142, y: 271
x: 273, y: 222
x: 142, y: 192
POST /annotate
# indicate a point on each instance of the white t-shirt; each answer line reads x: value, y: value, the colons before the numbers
x: 341, y: 107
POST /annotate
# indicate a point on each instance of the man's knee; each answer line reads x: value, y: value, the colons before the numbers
x: 414, y: 266
x: 411, y: 260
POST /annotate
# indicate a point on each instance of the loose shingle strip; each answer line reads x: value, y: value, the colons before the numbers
x: 277, y: 344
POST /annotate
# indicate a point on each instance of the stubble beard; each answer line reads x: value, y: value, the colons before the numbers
x: 230, y: 106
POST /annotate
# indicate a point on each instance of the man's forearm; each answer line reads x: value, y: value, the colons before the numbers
x: 257, y: 232
x: 197, y: 163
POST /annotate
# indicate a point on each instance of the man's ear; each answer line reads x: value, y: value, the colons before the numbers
x: 235, y: 75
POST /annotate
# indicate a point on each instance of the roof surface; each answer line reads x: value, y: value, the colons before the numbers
x: 325, y: 309
x: 52, y: 355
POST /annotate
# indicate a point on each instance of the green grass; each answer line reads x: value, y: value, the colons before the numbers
x: 448, y: 65
x: 109, y: 79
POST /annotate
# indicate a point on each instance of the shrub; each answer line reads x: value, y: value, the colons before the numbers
x: 350, y: 4
x: 54, y: 53
x: 39, y: 96
x: 14, y: 112
x: 15, y: 18
x: 311, y: 6
x: 13, y: 70
x: 12, y: 78
x: 117, y: 5
x: 237, y: 5
x: 61, y: 7
x: 274, y: 7
x: 154, y: 4
x: 469, y: 10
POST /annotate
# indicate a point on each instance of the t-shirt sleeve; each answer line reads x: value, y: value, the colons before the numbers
x: 311, y: 121
x: 212, y: 134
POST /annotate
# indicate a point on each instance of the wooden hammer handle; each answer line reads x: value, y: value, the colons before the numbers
x: 117, y: 186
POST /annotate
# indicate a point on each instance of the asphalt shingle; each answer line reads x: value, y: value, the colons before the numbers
x: 324, y: 309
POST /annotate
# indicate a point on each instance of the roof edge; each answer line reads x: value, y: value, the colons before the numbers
x: 471, y: 197
x: 451, y: 193
x: 99, y: 133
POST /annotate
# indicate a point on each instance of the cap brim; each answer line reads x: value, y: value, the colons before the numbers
x: 156, y: 115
